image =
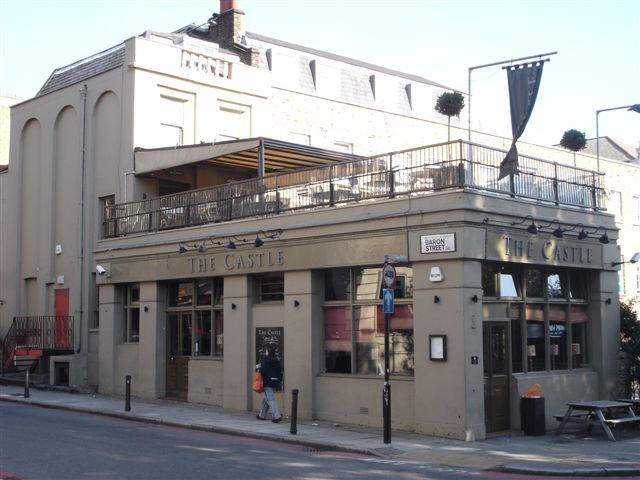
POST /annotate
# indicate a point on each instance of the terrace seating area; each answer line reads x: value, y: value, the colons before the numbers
x: 289, y: 184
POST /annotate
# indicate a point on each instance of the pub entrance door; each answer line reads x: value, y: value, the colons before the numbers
x: 179, y: 333
x: 496, y: 375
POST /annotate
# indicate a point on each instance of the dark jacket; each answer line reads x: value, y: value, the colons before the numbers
x: 271, y: 372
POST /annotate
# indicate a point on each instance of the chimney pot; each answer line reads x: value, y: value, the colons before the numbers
x: 228, y: 5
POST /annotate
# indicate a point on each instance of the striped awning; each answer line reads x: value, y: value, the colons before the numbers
x: 245, y: 153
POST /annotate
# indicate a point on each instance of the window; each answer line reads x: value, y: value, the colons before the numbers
x: 199, y: 305
x: 549, y: 323
x: 615, y: 205
x: 300, y: 138
x: 234, y: 121
x: 171, y: 120
x: 354, y: 322
x: 344, y: 147
x: 270, y: 287
x: 131, y: 330
x: 107, y: 207
x: 621, y: 286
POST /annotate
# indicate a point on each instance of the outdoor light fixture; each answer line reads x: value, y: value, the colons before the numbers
x: 474, y: 299
x: 532, y: 229
x: 558, y: 232
x: 258, y: 242
x: 230, y: 241
x: 231, y: 244
x: 296, y: 303
x: 582, y: 235
x: 202, y: 248
x: 182, y: 249
x: 608, y: 301
x: 604, y: 239
x: 634, y: 259
x: 436, y: 299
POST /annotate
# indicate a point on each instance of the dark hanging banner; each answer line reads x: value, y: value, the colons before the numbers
x: 524, y: 82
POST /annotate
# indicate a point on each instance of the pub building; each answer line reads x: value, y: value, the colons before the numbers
x: 484, y: 308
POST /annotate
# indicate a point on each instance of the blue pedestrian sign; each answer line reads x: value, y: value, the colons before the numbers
x: 387, y: 300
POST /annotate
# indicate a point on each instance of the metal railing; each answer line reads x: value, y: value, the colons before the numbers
x: 458, y: 164
x: 52, y: 333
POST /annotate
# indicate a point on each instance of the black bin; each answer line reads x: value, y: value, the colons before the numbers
x: 532, y: 416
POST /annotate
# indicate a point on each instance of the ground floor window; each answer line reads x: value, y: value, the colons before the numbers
x: 354, y: 322
x: 131, y: 323
x: 547, y: 311
x: 196, y: 318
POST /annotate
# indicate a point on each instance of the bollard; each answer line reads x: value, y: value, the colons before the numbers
x: 26, y: 384
x: 127, y: 398
x: 294, y: 412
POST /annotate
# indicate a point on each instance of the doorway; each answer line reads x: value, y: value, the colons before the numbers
x: 495, y: 337
x: 179, y: 336
x: 61, y: 326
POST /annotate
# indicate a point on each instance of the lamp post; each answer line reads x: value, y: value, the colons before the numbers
x: 632, y: 108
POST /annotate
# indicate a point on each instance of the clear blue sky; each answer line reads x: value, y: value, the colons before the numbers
x: 598, y: 64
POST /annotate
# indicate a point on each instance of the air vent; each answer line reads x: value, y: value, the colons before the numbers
x: 364, y: 410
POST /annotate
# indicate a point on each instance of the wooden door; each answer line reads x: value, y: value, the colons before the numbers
x: 179, y: 344
x: 496, y: 376
x: 61, y: 306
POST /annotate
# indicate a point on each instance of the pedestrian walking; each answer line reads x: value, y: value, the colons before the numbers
x: 271, y: 372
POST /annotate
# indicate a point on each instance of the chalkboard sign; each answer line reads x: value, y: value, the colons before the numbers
x: 271, y: 338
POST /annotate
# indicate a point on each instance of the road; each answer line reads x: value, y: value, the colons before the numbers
x: 40, y: 443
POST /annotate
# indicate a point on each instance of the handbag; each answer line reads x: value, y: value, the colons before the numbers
x: 258, y: 383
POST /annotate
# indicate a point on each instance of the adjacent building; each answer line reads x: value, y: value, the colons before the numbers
x: 182, y: 200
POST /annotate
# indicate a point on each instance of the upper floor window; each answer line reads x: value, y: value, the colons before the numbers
x: 615, y: 204
x: 172, y: 120
x: 345, y: 147
x: 233, y: 122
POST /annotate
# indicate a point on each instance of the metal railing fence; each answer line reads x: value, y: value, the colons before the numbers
x: 457, y: 164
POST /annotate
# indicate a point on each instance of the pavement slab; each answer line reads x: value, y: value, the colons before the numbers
x: 571, y: 454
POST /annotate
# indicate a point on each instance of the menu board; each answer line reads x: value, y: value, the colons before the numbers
x: 271, y: 338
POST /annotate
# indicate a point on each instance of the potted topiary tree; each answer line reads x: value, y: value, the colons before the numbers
x: 450, y: 104
x: 573, y: 140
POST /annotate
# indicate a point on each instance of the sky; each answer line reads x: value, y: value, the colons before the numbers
x: 597, y: 65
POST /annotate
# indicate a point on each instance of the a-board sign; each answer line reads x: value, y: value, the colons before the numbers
x: 271, y: 338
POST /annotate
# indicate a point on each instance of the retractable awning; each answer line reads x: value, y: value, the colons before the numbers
x: 253, y: 153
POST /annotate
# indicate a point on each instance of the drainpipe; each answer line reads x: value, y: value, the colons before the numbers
x: 83, y: 113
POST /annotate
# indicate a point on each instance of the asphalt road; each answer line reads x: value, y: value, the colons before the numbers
x: 40, y: 443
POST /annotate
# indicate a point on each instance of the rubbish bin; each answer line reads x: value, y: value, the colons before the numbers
x: 532, y: 416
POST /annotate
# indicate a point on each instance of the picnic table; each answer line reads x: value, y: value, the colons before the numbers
x: 634, y: 401
x: 598, y: 412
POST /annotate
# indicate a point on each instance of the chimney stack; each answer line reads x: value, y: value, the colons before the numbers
x: 230, y: 23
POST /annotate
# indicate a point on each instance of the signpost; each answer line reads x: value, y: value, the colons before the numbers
x: 389, y: 279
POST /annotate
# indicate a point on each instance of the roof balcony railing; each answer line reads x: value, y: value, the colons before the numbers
x: 414, y: 172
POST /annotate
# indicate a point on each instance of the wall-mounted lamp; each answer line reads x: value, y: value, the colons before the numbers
x: 231, y: 244
x: 182, y: 249
x: 608, y: 301
x: 233, y: 306
x: 532, y: 229
x: 474, y: 299
x: 296, y: 303
x: 634, y: 259
x: 146, y: 309
x: 436, y: 299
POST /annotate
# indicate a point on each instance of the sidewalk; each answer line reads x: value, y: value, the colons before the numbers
x: 570, y: 454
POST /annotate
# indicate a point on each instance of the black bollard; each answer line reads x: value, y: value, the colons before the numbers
x: 294, y: 412
x: 26, y: 383
x: 127, y: 398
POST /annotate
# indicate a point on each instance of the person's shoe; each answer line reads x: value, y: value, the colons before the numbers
x: 277, y: 420
x: 259, y: 417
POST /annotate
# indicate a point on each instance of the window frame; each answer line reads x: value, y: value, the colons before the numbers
x: 130, y: 306
x: 353, y: 303
x: 215, y: 308
x: 259, y: 282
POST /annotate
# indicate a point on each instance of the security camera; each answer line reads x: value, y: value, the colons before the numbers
x: 635, y: 258
x: 101, y: 270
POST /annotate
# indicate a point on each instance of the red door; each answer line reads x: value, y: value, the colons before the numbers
x: 61, y: 305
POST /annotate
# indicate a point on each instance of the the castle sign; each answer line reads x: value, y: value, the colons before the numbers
x: 513, y: 247
x: 235, y: 262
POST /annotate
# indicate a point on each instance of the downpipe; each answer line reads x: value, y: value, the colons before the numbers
x: 83, y: 112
